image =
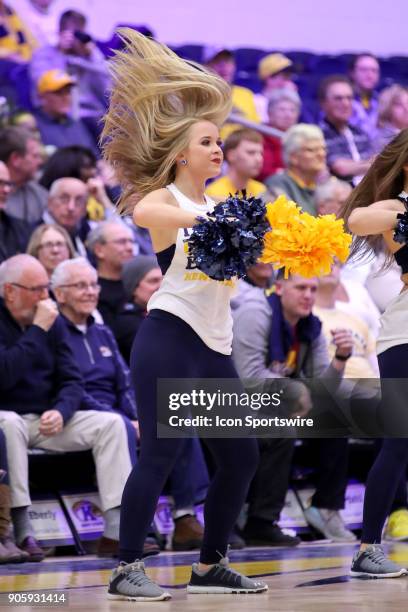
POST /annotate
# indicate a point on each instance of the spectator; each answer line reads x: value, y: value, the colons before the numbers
x: 351, y: 294
x: 222, y: 62
x: 365, y: 76
x: 105, y: 375
x: 392, y: 115
x: 41, y: 18
x: 304, y: 154
x: 336, y: 314
x: 243, y: 152
x: 9, y: 553
x: 141, y: 277
x: 111, y: 244
x: 80, y: 163
x: 26, y: 121
x: 21, y: 152
x: 76, y: 54
x: 283, y: 112
x: 16, y: 42
x: 278, y: 337
x: 14, y: 233
x: 67, y: 208
x: 54, y: 116
x: 348, y: 148
x: 41, y: 391
x: 330, y: 197
x: 51, y: 245
x: 275, y: 71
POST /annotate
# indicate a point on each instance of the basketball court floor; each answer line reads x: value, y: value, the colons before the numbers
x: 309, y: 578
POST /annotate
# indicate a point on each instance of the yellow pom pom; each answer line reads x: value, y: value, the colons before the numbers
x: 301, y: 243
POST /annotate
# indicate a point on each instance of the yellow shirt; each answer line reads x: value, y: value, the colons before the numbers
x: 360, y: 363
x: 14, y: 36
x: 222, y: 187
x: 243, y: 103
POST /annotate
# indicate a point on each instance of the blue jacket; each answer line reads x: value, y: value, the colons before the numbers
x: 38, y: 371
x: 106, y: 376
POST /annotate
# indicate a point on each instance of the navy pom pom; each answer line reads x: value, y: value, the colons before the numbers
x: 230, y: 239
x: 401, y: 229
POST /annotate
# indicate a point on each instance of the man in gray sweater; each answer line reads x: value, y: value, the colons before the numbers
x: 276, y: 336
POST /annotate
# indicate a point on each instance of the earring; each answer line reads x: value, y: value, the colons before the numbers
x: 183, y: 162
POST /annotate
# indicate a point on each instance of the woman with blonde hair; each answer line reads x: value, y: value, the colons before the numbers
x: 50, y: 244
x: 161, y: 135
x: 392, y: 114
x: 377, y: 213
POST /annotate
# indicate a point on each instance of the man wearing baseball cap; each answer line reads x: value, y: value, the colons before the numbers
x: 275, y: 71
x: 222, y: 61
x: 55, y: 123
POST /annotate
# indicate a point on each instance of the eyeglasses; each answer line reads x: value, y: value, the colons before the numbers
x: 38, y: 289
x: 65, y: 199
x: 82, y: 286
x: 8, y: 184
x: 122, y: 241
x: 341, y: 98
x: 53, y: 245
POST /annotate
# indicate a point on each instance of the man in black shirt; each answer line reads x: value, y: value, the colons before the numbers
x: 14, y: 233
x: 111, y: 244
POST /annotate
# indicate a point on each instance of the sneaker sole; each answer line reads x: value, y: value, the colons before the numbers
x: 119, y: 597
x: 223, y: 590
x: 402, y: 572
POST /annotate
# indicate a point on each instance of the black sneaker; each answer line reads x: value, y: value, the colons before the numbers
x: 259, y: 532
x: 222, y: 579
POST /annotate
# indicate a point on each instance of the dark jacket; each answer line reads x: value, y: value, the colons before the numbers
x: 14, y: 235
x: 106, y: 376
x: 38, y: 371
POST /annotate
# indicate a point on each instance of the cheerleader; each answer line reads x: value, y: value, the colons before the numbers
x: 373, y: 212
x: 161, y: 135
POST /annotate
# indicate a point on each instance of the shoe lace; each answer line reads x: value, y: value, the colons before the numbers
x: 223, y: 568
x: 135, y: 573
x: 376, y: 555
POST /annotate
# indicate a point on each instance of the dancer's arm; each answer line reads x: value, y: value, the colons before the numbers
x: 377, y: 218
x: 158, y: 210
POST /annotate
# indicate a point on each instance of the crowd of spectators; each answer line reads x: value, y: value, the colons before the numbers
x: 75, y: 278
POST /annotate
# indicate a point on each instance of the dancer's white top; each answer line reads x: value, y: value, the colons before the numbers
x: 394, y: 323
x: 191, y: 295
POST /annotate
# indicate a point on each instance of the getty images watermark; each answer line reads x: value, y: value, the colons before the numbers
x: 220, y: 408
x: 218, y: 400
x: 327, y: 407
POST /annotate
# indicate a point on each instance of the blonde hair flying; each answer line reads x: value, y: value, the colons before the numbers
x: 156, y: 98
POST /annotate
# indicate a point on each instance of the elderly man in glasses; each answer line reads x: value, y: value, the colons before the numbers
x: 14, y: 233
x: 41, y: 391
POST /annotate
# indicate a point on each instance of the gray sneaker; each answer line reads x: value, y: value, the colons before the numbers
x: 129, y: 582
x: 329, y: 523
x: 221, y: 579
x: 372, y: 563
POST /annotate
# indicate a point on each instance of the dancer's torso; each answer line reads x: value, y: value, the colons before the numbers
x: 394, y: 321
x: 188, y: 293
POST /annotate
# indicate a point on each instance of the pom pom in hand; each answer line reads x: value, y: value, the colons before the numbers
x: 230, y: 239
x: 301, y: 243
x: 401, y: 229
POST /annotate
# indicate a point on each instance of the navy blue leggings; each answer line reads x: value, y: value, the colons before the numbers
x: 389, y: 468
x: 166, y: 347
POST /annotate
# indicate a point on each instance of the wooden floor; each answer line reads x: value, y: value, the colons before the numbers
x: 310, y: 578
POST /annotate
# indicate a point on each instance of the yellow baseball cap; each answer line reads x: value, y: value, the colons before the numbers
x: 272, y: 64
x: 53, y: 80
